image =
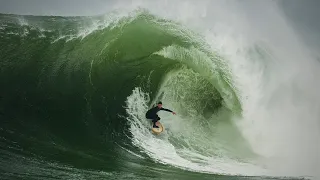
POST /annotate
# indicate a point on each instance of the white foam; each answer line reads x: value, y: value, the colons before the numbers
x: 161, y: 150
x: 278, y: 89
x: 281, y: 120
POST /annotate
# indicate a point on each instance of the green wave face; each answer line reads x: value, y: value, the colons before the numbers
x: 75, y: 91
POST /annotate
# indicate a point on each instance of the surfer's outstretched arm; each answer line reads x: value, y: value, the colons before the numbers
x: 164, y: 109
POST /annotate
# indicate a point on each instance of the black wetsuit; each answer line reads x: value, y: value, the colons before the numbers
x: 152, y: 114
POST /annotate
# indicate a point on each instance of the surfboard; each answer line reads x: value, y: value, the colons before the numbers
x: 159, y: 130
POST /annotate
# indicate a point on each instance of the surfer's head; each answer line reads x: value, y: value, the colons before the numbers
x: 159, y: 104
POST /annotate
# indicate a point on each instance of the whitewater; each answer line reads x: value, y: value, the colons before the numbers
x: 275, y: 76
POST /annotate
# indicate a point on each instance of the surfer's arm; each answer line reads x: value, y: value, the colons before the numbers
x: 164, y: 109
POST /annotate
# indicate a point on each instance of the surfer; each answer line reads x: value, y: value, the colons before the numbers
x: 152, y: 114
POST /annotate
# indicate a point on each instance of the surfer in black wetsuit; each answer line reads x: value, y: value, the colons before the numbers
x: 152, y: 114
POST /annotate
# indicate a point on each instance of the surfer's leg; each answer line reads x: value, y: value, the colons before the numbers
x: 157, y: 122
x: 153, y: 119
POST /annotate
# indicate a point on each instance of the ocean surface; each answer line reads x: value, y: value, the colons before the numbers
x: 74, y: 92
